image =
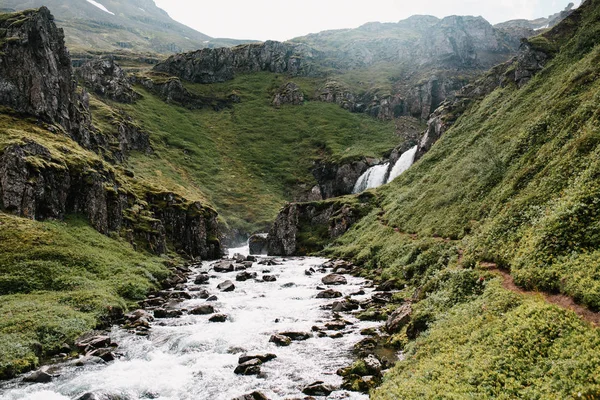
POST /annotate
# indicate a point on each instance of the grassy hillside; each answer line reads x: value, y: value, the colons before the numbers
x: 514, y: 182
x: 252, y: 158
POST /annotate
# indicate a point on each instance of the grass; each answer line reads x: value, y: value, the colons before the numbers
x: 252, y: 158
x: 59, y: 280
x: 514, y: 181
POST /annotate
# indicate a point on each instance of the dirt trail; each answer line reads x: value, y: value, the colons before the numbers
x: 508, y: 282
x: 559, y: 300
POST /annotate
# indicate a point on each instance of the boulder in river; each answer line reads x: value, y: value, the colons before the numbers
x: 202, y: 279
x: 163, y: 313
x: 218, y: 318
x: 262, y: 357
x: 244, y: 276
x: 38, y: 377
x: 280, y: 340
x: 252, y: 396
x: 250, y: 367
x: 318, y: 388
x: 258, y: 244
x: 212, y: 298
x: 269, y: 278
x: 329, y: 294
x: 203, y: 310
x: 334, y: 279
x: 344, y: 306
x: 296, y: 335
x: 224, y: 266
x: 226, y: 286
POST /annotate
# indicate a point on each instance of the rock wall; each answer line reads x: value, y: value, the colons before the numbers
x: 305, y: 228
x: 36, y: 76
x: 106, y: 78
x: 221, y: 64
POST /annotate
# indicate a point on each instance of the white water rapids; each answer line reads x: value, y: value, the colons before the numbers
x: 190, y: 358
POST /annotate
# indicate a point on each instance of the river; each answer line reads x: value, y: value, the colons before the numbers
x: 192, y: 358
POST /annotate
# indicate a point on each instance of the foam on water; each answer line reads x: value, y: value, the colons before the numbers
x: 191, y: 358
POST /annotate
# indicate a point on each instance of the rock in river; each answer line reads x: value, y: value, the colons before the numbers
x: 226, y: 286
x: 334, y: 279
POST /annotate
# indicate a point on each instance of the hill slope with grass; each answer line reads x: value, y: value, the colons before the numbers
x: 513, y: 184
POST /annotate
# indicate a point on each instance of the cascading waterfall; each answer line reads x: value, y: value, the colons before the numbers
x: 371, y: 178
x: 404, y: 162
x: 376, y: 175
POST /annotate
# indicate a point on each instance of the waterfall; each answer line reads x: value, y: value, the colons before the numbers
x: 371, y: 178
x: 404, y: 162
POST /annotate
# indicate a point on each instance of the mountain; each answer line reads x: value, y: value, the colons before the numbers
x: 138, y: 26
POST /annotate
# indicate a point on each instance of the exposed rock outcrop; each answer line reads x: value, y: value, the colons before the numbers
x: 338, y: 180
x: 36, y: 77
x: 35, y: 184
x: 303, y: 228
x: 290, y: 93
x: 106, y: 78
x: 171, y: 90
x: 221, y: 64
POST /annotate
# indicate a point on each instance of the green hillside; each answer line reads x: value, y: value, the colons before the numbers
x: 514, y: 183
x: 251, y: 158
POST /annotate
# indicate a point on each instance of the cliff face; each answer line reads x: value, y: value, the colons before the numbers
x: 221, y: 64
x: 45, y: 175
x: 36, y: 76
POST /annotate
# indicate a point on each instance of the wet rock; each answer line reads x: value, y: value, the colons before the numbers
x: 203, y: 310
x: 218, y: 318
x: 251, y: 258
x: 258, y: 244
x: 202, y: 279
x: 334, y: 279
x: 288, y: 285
x: 336, y: 335
x: 399, y: 318
x: 212, y: 298
x: 335, y: 325
x: 244, y: 276
x: 344, y: 306
x: 329, y: 294
x: 203, y: 294
x: 106, y: 354
x: 262, y: 357
x: 318, y: 388
x: 252, y: 396
x: 226, y: 286
x: 250, y: 367
x: 239, y: 258
x: 309, y: 271
x: 269, y: 278
x: 163, y: 313
x: 139, y: 314
x: 358, y: 293
x: 224, y: 266
x: 38, y: 377
x: 369, y: 332
x: 296, y: 335
x: 280, y: 340
x: 93, y: 342
x: 87, y: 360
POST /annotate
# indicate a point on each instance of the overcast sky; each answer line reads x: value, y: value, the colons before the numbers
x: 282, y: 20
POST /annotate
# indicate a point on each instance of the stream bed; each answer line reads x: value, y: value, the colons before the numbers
x: 192, y: 358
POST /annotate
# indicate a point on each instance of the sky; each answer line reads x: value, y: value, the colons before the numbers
x: 283, y: 20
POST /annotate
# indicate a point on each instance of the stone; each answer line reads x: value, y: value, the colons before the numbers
x: 296, y: 335
x: 252, y: 396
x: 335, y: 325
x: 224, y: 266
x: 38, y: 377
x: 258, y: 244
x: 106, y: 354
x: 218, y: 318
x: 344, y: 306
x: 226, y: 286
x: 244, y: 276
x: 318, y: 388
x: 269, y: 278
x: 106, y: 78
x: 250, y: 367
x: 387, y: 286
x: 399, y: 318
x: 212, y: 298
x: 203, y: 310
x: 289, y: 93
x: 280, y: 340
x: 334, y: 279
x: 163, y: 313
x: 202, y: 279
x: 329, y: 294
x: 262, y: 357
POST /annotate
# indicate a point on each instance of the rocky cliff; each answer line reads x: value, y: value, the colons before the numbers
x: 221, y: 64
x: 46, y: 175
x: 304, y: 228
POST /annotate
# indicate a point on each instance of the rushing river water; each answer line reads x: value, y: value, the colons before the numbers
x: 192, y: 358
